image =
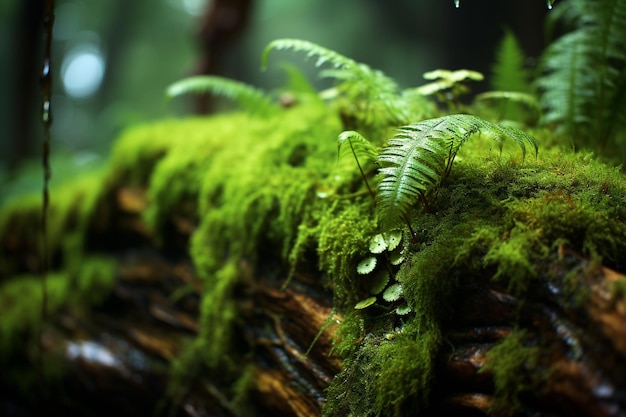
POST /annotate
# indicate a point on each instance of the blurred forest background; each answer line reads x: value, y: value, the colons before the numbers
x: 112, y: 60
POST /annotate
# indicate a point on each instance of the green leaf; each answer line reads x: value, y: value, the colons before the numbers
x: 365, y: 303
x: 324, y: 55
x: 378, y: 244
x: 367, y: 265
x: 403, y: 310
x: 373, y: 98
x: 378, y: 281
x: 393, y: 239
x: 246, y: 96
x: 583, y: 82
x: 396, y: 257
x: 393, y: 292
x: 357, y: 147
x: 420, y: 155
x: 509, y: 72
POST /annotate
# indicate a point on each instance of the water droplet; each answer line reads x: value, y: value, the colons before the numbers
x: 46, y: 68
x: 457, y: 3
x: 46, y: 112
x: 549, y: 3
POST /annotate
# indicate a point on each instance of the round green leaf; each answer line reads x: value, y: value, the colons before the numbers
x: 393, y: 293
x: 403, y: 310
x: 367, y: 265
x: 378, y: 244
x: 393, y: 239
x: 365, y: 303
x: 379, y: 281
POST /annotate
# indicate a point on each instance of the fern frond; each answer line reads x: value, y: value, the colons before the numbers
x: 246, y: 96
x: 508, y: 71
x: 358, y: 146
x: 421, y: 155
x: 585, y: 71
x: 520, y: 100
x: 526, y: 99
x: 324, y: 55
x: 374, y: 99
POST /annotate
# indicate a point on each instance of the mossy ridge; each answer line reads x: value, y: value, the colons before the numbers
x: 493, y: 217
x: 250, y: 197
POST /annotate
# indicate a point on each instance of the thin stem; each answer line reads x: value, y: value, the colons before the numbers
x: 361, y: 170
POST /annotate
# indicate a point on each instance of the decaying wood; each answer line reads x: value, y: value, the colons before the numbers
x: 118, y: 354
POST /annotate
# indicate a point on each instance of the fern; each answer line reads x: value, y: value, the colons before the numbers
x: 374, y: 99
x: 359, y: 147
x: 421, y: 155
x: 324, y: 55
x: 520, y: 101
x: 246, y: 96
x: 584, y: 81
x: 508, y: 71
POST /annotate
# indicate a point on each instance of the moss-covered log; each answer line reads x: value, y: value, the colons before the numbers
x: 214, y: 269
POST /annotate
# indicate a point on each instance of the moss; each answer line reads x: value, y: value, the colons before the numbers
x: 21, y: 296
x: 382, y: 374
x: 74, y: 280
x: 70, y: 207
x: 493, y: 218
x: 513, y: 363
x: 268, y: 192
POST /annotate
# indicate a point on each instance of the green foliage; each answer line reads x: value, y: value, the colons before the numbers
x: 372, y: 100
x: 21, y: 297
x: 508, y: 71
x: 584, y: 73
x: 421, y: 155
x: 448, y: 86
x: 382, y: 375
x: 247, y: 97
x: 513, y: 104
x: 511, y: 362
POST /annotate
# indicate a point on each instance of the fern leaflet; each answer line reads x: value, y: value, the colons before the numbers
x: 246, y: 96
x: 585, y: 71
x: 421, y: 155
x: 374, y: 98
x: 508, y: 72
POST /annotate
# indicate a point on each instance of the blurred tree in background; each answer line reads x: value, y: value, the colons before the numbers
x: 112, y: 60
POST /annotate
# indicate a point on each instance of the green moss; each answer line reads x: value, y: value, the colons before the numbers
x: 493, y: 218
x: 21, y: 297
x: 513, y: 363
x: 74, y: 280
x: 70, y: 207
x: 268, y: 193
x: 382, y: 374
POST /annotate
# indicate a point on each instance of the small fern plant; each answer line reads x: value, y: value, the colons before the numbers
x: 419, y: 157
x: 249, y: 98
x: 371, y: 100
x: 583, y: 80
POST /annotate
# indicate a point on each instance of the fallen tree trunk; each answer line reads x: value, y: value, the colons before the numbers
x: 117, y: 355
x: 137, y: 327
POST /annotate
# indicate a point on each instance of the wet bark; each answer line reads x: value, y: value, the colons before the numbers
x: 118, y: 355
